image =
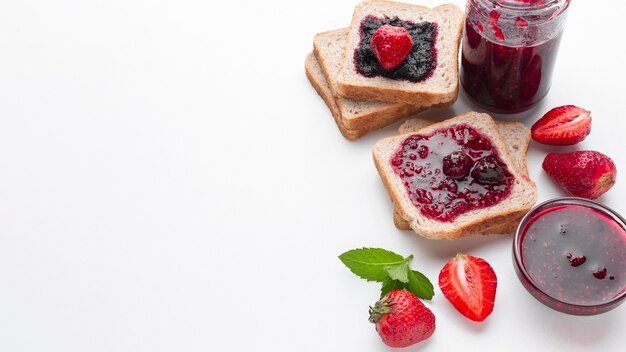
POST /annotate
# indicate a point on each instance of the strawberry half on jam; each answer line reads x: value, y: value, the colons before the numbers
x: 391, y: 45
x: 396, y: 49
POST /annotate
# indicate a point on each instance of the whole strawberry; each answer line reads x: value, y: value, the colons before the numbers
x: 585, y: 173
x: 402, y: 319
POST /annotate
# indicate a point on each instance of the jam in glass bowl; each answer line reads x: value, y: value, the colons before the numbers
x: 570, y: 254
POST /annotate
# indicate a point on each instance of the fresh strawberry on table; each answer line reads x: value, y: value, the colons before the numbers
x: 401, y: 319
x: 469, y: 283
x: 563, y: 125
x: 584, y: 173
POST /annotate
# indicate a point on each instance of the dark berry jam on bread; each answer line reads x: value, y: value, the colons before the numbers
x: 418, y: 64
x: 451, y: 171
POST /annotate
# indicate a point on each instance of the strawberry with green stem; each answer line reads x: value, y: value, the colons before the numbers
x: 401, y: 319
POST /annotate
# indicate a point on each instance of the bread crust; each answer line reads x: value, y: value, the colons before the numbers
x: 356, y: 127
x: 323, y: 91
x: 506, y: 228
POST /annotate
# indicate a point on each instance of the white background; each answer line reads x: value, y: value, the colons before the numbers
x: 169, y: 181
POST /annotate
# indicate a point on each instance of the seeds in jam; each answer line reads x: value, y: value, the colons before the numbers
x: 451, y: 171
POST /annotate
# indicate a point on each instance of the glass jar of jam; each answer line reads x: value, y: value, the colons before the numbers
x: 509, y: 51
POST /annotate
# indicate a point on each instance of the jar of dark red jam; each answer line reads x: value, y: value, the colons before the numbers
x: 509, y: 51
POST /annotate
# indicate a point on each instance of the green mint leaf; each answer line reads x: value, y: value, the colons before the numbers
x: 370, y: 263
x: 390, y: 285
x: 420, y: 286
x: 398, y: 272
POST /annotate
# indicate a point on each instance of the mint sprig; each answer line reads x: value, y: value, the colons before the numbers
x: 420, y: 285
x: 390, y: 285
x: 393, y: 270
x: 370, y: 263
x: 399, y: 272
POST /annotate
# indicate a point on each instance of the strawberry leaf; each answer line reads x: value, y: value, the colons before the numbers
x: 390, y: 285
x: 420, y: 286
x: 370, y: 263
x: 398, y: 272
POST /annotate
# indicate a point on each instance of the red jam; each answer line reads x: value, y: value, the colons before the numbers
x: 451, y: 171
x: 505, y: 79
x: 576, y: 255
x: 509, y: 51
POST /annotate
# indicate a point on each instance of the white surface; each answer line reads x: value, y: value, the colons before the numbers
x: 169, y: 181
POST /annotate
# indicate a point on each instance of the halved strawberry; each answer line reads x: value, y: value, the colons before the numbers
x: 391, y: 45
x: 469, y: 283
x: 563, y: 125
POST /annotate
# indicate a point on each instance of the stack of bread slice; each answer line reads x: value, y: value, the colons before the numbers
x: 510, y: 139
x: 362, y: 104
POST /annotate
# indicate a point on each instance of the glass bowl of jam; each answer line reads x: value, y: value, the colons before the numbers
x: 570, y: 254
x: 509, y: 51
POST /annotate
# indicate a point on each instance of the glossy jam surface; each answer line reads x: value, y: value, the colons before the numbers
x: 503, y: 78
x: 417, y: 66
x: 451, y: 172
x: 574, y: 254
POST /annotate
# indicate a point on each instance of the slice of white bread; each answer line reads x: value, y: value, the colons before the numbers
x: 441, y: 88
x: 517, y: 138
x: 359, y: 116
x: 523, y: 194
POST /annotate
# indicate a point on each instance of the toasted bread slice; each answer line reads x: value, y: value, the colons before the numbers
x: 517, y: 138
x: 523, y: 193
x: 441, y: 88
x: 361, y: 116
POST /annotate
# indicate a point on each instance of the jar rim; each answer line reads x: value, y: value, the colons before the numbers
x: 524, y: 6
